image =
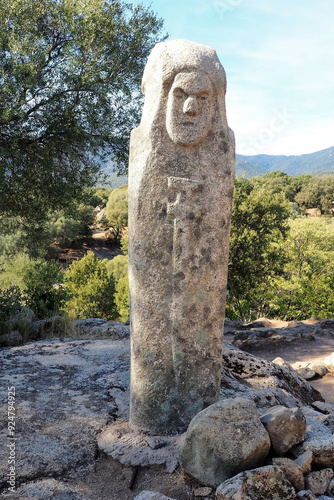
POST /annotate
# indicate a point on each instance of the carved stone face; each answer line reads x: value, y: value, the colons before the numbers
x: 190, y: 108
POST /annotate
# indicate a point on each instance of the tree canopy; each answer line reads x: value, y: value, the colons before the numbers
x: 70, y: 73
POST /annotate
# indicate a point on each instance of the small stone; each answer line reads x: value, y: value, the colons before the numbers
x: 262, y: 483
x: 330, y: 489
x: 305, y: 372
x: 304, y: 461
x: 151, y: 495
x: 286, y: 427
x: 306, y: 495
x: 156, y: 442
x: 291, y: 471
x: 324, y: 407
x: 203, y: 492
x: 318, y: 481
x: 319, y: 368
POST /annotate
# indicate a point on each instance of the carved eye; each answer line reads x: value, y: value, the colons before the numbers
x: 203, y: 97
x: 179, y: 94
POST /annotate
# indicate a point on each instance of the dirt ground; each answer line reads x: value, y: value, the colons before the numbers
x: 98, y: 244
x: 110, y: 480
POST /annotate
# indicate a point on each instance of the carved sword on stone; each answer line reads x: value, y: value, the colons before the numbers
x: 183, y: 212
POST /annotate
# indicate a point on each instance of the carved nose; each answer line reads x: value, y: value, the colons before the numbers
x: 190, y: 106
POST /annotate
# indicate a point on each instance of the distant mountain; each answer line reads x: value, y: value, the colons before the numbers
x: 317, y: 163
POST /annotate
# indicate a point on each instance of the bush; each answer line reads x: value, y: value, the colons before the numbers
x: 43, y: 291
x: 10, y: 301
x: 91, y: 290
x: 117, y: 210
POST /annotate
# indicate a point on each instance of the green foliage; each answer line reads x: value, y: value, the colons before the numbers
x: 118, y: 267
x: 97, y: 196
x: 117, y: 210
x: 259, y: 224
x: 13, y: 270
x: 66, y: 230
x: 70, y: 75
x: 91, y: 290
x: 307, y: 286
x: 10, y: 301
x: 317, y: 194
x: 43, y: 292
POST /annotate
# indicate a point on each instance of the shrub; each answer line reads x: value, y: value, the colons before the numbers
x: 117, y: 210
x: 90, y: 288
x: 43, y: 291
x: 10, y: 300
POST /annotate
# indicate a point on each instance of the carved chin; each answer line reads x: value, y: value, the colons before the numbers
x: 187, y: 134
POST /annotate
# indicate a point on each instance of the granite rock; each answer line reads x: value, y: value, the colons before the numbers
x: 222, y: 440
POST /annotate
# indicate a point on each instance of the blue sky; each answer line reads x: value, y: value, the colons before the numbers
x: 279, y: 60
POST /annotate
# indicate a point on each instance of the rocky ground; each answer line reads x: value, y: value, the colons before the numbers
x: 67, y: 396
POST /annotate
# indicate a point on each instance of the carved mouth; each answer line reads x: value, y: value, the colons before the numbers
x: 188, y: 124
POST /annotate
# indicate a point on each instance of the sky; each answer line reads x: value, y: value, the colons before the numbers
x: 279, y: 61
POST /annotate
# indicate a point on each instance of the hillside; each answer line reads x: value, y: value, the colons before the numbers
x: 316, y: 163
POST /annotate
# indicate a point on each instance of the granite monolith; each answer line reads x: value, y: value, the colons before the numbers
x: 181, y: 178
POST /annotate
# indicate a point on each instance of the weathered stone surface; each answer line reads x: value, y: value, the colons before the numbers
x: 261, y: 375
x: 319, y: 440
x: 133, y: 448
x: 286, y: 427
x: 181, y: 178
x: 304, y: 461
x: 222, y: 440
x: 318, y: 481
x: 151, y: 495
x: 47, y: 489
x: 263, y: 483
x: 66, y: 392
x: 291, y: 471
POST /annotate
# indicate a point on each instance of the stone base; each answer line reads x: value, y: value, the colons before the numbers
x: 133, y: 448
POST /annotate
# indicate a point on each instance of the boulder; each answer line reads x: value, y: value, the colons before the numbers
x: 318, y: 481
x: 11, y: 339
x: 222, y: 440
x: 263, y: 483
x: 286, y: 427
x: 329, y: 361
x: 263, y: 381
x: 292, y: 472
